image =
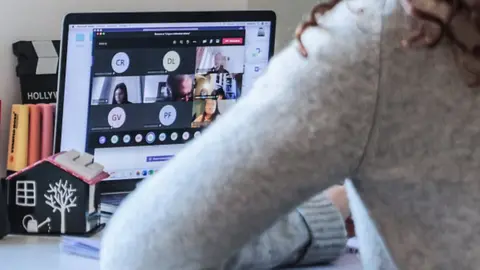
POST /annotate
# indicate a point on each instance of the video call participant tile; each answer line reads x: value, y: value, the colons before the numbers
x: 116, y: 90
x: 220, y: 59
x: 218, y: 86
x: 168, y: 88
x: 207, y: 111
x: 164, y: 61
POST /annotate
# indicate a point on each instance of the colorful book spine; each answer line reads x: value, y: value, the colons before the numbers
x: 48, y: 119
x: 18, y: 138
x: 34, y: 134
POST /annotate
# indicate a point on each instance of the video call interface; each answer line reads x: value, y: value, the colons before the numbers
x: 163, y: 86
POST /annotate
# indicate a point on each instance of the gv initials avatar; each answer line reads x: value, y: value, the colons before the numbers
x: 116, y: 117
x: 120, y: 62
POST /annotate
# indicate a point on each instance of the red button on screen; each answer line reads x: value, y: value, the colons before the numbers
x: 228, y: 41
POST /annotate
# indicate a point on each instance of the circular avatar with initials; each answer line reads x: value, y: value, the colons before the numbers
x: 120, y: 62
x: 171, y: 61
x: 168, y: 115
x: 116, y: 117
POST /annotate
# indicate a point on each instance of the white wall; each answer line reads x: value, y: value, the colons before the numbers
x: 41, y: 20
x: 289, y: 14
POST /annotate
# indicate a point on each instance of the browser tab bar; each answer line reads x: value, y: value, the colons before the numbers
x: 159, y: 25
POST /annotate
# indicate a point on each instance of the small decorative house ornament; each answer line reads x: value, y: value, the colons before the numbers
x: 57, y: 195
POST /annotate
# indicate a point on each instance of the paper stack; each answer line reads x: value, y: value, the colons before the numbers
x: 109, y: 204
x: 352, y: 245
x: 85, y: 247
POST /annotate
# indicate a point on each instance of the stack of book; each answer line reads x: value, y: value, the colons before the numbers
x: 31, y: 135
x: 109, y: 204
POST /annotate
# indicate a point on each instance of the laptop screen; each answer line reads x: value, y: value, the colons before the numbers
x: 136, y: 93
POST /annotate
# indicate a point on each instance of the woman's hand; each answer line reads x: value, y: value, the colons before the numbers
x: 338, y: 196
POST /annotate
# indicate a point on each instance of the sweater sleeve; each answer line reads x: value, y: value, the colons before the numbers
x: 304, y: 120
x: 328, y: 235
x: 312, y: 234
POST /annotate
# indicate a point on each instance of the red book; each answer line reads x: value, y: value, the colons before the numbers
x: 34, y: 133
x: 48, y: 119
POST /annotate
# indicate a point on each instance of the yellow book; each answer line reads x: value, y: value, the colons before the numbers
x: 18, y: 138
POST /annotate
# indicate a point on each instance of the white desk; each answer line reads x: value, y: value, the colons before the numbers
x: 43, y: 253
x: 39, y: 253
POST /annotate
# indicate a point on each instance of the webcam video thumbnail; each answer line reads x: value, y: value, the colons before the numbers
x: 116, y: 90
x: 218, y: 86
x: 162, y: 88
x: 222, y: 59
x: 207, y: 111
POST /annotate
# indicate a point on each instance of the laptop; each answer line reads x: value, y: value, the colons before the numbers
x: 134, y: 88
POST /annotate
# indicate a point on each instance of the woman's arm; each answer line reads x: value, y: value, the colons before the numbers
x: 303, y: 128
x: 314, y: 233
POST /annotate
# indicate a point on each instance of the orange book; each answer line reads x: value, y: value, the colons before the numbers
x: 48, y: 119
x: 18, y: 138
x: 34, y: 134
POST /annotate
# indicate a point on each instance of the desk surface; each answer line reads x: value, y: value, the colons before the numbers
x: 43, y: 253
x: 39, y: 253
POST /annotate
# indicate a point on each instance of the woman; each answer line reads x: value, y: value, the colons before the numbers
x: 401, y: 122
x: 120, y: 94
x: 209, y: 115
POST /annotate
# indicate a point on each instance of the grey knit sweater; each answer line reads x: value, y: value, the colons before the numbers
x: 313, y: 234
x: 400, y: 122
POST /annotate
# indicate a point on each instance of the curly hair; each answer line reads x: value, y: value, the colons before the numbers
x: 435, y: 22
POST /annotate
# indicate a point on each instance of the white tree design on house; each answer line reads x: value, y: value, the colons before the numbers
x: 61, y: 198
